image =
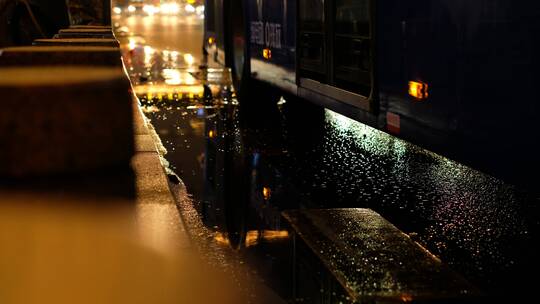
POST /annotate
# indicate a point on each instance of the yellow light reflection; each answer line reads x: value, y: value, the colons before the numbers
x: 253, y: 237
x: 212, y: 134
x: 165, y: 90
x: 176, y: 77
x: 267, y: 193
x: 275, y: 234
x: 222, y: 239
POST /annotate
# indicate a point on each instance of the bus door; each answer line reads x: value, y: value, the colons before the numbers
x: 336, y: 49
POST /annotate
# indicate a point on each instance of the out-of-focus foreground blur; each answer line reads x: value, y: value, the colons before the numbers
x: 86, y: 212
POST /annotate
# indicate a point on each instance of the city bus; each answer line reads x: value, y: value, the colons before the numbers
x: 456, y: 77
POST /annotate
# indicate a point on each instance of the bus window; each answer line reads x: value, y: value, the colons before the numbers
x: 312, y: 40
x: 352, y: 46
x: 353, y: 17
x: 312, y: 15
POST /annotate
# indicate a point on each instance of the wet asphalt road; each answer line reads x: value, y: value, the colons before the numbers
x: 244, y: 165
x: 169, y: 32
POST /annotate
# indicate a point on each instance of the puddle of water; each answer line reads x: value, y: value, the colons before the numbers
x: 304, y: 157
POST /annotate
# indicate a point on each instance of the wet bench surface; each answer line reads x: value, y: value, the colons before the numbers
x: 373, y: 260
x: 78, y: 42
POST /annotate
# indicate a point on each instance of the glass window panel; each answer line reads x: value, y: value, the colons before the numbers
x: 353, y: 17
x: 312, y: 15
x: 312, y: 52
x: 352, y: 46
x: 353, y: 53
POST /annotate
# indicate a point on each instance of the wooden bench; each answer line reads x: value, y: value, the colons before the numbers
x: 61, y: 55
x: 372, y: 260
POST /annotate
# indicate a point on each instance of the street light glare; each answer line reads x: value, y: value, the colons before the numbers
x: 151, y: 9
x: 190, y: 8
x: 170, y: 8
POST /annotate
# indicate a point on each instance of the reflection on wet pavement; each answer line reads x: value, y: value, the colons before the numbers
x: 244, y: 165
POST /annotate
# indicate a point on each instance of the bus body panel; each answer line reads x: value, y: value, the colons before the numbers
x: 479, y: 60
x: 272, y: 29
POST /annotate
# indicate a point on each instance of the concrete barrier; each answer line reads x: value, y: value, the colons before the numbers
x: 60, y: 55
x: 371, y: 259
x: 77, y: 42
x: 64, y: 120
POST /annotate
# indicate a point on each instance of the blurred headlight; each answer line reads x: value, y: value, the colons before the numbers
x: 190, y: 8
x: 200, y: 9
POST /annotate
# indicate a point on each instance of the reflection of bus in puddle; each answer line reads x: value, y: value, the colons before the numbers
x: 237, y: 198
x: 246, y: 189
x: 242, y: 203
